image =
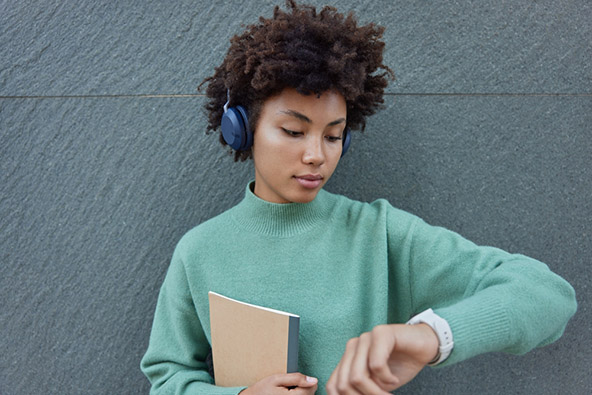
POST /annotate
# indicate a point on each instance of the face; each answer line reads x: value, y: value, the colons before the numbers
x: 297, y: 144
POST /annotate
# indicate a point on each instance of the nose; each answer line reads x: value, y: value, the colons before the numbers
x: 314, y: 153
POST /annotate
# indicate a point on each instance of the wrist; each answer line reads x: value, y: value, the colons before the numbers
x: 432, y: 343
x: 442, y: 330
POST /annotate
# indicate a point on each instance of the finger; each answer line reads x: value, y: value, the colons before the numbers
x: 303, y: 391
x: 383, y: 344
x: 359, y: 376
x: 342, y: 382
x: 330, y: 386
x: 294, y: 380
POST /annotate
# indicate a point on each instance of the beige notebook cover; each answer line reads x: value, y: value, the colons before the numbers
x: 250, y: 342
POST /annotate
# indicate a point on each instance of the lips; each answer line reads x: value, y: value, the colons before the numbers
x: 310, y: 181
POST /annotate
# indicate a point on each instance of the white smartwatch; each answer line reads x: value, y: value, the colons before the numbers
x: 442, y: 329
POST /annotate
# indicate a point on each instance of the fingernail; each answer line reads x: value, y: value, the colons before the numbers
x: 311, y: 379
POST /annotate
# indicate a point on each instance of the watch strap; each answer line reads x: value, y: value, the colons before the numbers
x: 441, y: 328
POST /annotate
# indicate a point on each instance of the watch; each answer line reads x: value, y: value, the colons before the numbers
x: 442, y: 330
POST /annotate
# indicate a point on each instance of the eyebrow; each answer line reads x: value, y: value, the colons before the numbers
x: 306, y: 119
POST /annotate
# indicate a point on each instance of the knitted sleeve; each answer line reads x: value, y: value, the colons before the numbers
x: 493, y: 300
x: 175, y: 362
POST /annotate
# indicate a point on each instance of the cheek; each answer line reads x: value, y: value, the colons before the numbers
x: 333, y: 161
x: 273, y: 147
x: 267, y: 151
x: 334, y: 164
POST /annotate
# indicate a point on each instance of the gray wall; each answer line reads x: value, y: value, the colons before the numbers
x: 104, y: 164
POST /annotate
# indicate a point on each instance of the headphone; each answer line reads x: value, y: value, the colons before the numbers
x: 237, y: 134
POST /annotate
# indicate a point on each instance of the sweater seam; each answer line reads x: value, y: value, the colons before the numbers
x: 272, y: 235
x: 410, y: 238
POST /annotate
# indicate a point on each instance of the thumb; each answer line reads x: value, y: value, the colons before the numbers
x: 298, y: 380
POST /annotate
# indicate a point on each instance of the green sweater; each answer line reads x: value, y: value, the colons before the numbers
x: 344, y: 267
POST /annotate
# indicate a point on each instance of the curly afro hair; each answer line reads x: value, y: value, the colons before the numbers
x: 307, y: 50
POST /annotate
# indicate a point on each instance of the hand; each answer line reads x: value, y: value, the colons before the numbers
x: 280, y: 384
x: 383, y: 360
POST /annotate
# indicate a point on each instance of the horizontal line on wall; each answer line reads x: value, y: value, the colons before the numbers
x: 488, y: 94
x: 167, y: 96
x: 137, y: 96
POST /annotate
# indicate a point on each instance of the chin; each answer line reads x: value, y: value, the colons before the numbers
x: 306, y: 197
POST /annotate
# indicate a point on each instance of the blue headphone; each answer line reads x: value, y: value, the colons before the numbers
x: 237, y: 134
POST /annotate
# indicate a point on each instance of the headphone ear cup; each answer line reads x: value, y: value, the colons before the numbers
x: 232, y: 128
x: 235, y: 128
x: 248, y: 136
x: 346, y: 141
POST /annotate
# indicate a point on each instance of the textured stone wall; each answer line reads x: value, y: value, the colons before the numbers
x: 104, y: 164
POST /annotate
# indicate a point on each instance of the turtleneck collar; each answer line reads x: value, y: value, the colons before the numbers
x: 281, y: 219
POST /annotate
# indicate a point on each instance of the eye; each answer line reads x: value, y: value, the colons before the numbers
x: 292, y: 132
x: 333, y: 139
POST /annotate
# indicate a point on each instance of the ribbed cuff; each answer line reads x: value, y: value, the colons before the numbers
x: 477, y: 327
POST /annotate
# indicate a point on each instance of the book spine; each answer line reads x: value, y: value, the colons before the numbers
x: 293, y: 329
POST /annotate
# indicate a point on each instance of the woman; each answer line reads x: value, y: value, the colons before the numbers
x: 356, y: 272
